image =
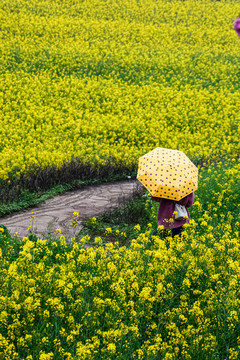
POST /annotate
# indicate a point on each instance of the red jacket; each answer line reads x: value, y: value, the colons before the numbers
x: 166, y: 210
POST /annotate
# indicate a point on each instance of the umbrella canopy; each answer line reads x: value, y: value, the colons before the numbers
x: 167, y: 173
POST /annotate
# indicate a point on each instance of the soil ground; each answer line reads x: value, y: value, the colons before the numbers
x: 57, y: 212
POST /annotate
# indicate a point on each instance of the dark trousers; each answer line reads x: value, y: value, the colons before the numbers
x: 172, y: 232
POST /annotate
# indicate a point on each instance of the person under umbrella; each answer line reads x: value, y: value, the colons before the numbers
x: 171, y: 178
x: 236, y: 26
x: 166, y: 214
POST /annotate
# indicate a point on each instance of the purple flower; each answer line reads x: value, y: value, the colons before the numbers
x: 236, y: 26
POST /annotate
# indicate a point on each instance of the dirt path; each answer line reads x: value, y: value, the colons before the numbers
x: 58, y: 212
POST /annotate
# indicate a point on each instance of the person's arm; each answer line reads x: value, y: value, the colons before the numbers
x: 187, y: 200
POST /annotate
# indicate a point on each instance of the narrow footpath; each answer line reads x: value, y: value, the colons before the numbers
x: 57, y: 212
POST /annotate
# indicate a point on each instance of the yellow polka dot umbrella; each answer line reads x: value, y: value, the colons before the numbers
x: 167, y: 173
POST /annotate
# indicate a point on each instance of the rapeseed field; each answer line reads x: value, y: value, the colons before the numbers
x: 87, y: 87
x: 104, y: 82
x: 62, y: 300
